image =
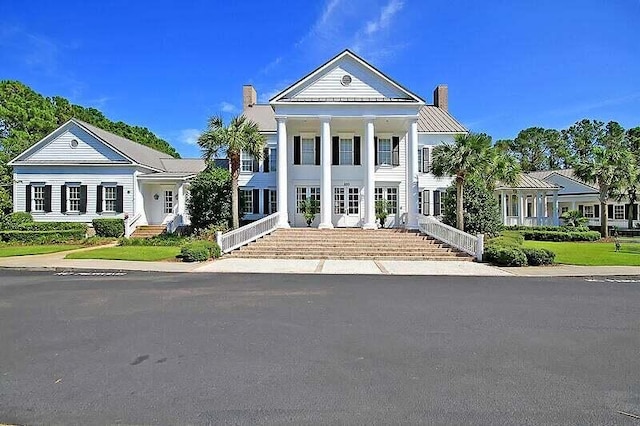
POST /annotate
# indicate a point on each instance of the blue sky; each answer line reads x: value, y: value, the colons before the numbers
x: 169, y: 65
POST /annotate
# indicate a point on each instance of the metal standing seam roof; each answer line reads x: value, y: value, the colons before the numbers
x: 528, y: 182
x: 568, y: 173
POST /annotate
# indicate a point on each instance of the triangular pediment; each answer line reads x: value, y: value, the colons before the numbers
x: 346, y: 78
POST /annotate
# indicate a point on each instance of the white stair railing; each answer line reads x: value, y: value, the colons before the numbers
x: 470, y: 244
x: 245, y: 234
x: 130, y: 224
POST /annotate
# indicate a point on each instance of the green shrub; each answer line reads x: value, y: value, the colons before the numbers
x: 15, y: 219
x: 199, y: 251
x: 563, y: 228
x: 51, y: 226
x: 42, y: 237
x: 97, y: 241
x: 505, y: 256
x: 539, y: 256
x: 109, y: 227
x: 536, y: 235
x: 507, y: 239
x: 158, y: 240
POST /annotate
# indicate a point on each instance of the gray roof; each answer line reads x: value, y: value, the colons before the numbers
x: 433, y: 119
x: 568, y: 173
x: 183, y: 165
x: 528, y: 182
x: 263, y: 115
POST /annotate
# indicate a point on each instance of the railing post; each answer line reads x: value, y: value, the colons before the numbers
x: 219, y: 239
x: 479, y: 247
x: 127, y: 228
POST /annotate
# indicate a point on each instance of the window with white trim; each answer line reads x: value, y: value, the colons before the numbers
x: 273, y: 200
x: 304, y: 192
x: 423, y: 202
x: 73, y: 198
x: 338, y: 200
x: 588, y: 211
x: 618, y: 212
x: 354, y: 200
x: 246, y: 162
x: 390, y: 194
x: 384, y: 151
x: 109, y: 198
x: 246, y: 200
x: 37, y: 198
x: 308, y: 151
x: 346, y: 151
x: 168, y: 202
x: 273, y: 160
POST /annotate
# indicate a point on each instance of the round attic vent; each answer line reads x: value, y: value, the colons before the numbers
x: 346, y: 80
x: 74, y: 143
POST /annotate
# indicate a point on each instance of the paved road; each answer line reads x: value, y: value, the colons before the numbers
x: 246, y: 349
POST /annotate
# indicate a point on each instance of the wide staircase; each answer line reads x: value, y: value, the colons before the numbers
x: 148, y: 231
x: 381, y: 244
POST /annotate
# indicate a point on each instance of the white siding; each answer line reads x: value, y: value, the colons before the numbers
x: 428, y: 180
x: 364, y: 84
x: 569, y: 186
x: 89, y: 149
x: 58, y: 176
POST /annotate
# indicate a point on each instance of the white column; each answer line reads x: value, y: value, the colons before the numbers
x: 325, y: 183
x: 283, y: 164
x: 573, y: 205
x: 556, y: 209
x: 521, y: 208
x: 369, y: 170
x: 181, y: 198
x: 505, y: 205
x: 539, y: 207
x: 412, y: 175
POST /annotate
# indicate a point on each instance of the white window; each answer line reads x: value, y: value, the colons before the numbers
x: 618, y: 212
x: 73, y: 198
x: 308, y: 151
x: 384, y: 152
x: 168, y: 202
x: 424, y: 163
x: 354, y: 200
x: 246, y: 162
x: 304, y: 192
x: 423, y: 202
x: 346, y: 151
x: 37, y: 195
x: 109, y: 198
x: 338, y: 200
x: 391, y: 195
x: 437, y: 202
x: 273, y: 160
x: 588, y: 211
x: 273, y: 201
x: 246, y: 201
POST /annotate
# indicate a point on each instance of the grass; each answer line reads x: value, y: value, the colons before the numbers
x: 591, y: 254
x: 26, y: 250
x: 140, y: 253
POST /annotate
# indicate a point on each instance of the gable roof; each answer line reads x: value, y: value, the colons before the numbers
x: 263, y: 116
x: 566, y: 173
x: 408, y: 96
x: 433, y: 119
x: 528, y: 182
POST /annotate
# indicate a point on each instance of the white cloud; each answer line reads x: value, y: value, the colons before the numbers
x: 228, y: 107
x: 386, y: 15
x: 189, y: 136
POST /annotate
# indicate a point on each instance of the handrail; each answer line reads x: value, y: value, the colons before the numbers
x: 128, y: 224
x: 174, y: 223
x: 245, y: 234
x: 473, y: 245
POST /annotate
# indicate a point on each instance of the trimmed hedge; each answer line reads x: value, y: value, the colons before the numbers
x: 51, y: 226
x: 159, y: 240
x: 547, y: 228
x: 505, y: 256
x: 15, y: 219
x: 200, y: 251
x: 42, y: 237
x: 560, y: 235
x: 111, y: 227
x: 507, y: 239
x: 539, y: 256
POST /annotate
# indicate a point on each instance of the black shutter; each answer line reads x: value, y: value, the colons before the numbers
x: 99, y: 199
x: 265, y: 202
x: 83, y: 198
x: 256, y: 201
x: 27, y: 200
x: 356, y: 151
x: 296, y: 150
x: 375, y: 149
x: 240, y: 203
x: 425, y: 160
x: 596, y: 211
x: 47, y: 199
x: 635, y: 212
x: 265, y: 163
x: 395, y: 151
x: 419, y: 160
x: 627, y: 207
x: 335, y: 151
x: 119, y: 199
x: 256, y: 165
x: 436, y: 203
x: 317, y: 150
x: 581, y: 209
x: 63, y: 199
x: 425, y: 202
x: 610, y: 211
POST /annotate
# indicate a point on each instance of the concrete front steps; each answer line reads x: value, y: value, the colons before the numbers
x: 348, y: 243
x: 148, y: 231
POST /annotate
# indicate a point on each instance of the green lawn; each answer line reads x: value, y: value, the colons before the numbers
x: 6, y: 251
x: 144, y: 253
x: 591, y: 254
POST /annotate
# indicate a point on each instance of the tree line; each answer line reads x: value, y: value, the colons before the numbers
x: 26, y: 117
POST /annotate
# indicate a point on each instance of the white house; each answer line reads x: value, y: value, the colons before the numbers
x: 345, y: 134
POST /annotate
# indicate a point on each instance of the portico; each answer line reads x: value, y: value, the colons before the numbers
x: 530, y: 202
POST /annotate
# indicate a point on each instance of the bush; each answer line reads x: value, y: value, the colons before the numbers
x: 209, y: 233
x: 539, y: 256
x: 51, y: 226
x: 13, y: 220
x: 548, y: 228
x: 97, y: 241
x: 209, y: 200
x: 505, y: 256
x: 42, y: 237
x: 480, y: 206
x: 109, y: 227
x: 199, y: 251
x: 507, y: 239
x: 158, y: 240
x: 560, y: 235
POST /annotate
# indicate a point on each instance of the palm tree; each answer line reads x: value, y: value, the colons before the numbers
x: 472, y: 155
x: 241, y: 135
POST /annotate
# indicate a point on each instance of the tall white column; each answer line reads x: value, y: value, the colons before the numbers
x: 521, y: 208
x: 539, y: 208
x: 412, y: 175
x: 505, y: 204
x: 369, y: 171
x: 181, y: 198
x: 325, y: 183
x: 556, y: 209
x: 283, y: 221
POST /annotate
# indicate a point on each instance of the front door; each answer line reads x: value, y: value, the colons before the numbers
x: 346, y: 206
x: 161, y: 204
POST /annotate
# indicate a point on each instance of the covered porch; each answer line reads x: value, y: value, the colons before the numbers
x: 530, y: 202
x: 161, y: 200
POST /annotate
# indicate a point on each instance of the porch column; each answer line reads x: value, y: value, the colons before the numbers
x: 573, y: 205
x: 369, y: 188
x: 521, y: 208
x: 325, y: 183
x: 412, y: 175
x: 505, y: 204
x: 539, y: 207
x: 181, y: 199
x: 556, y: 209
x: 283, y: 220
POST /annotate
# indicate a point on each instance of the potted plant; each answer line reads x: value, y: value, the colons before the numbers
x: 382, y: 211
x: 309, y: 208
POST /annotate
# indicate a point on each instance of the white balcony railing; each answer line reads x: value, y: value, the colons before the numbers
x: 470, y: 244
x: 245, y: 234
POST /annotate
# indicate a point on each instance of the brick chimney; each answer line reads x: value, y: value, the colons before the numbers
x: 249, y: 96
x: 441, y: 96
